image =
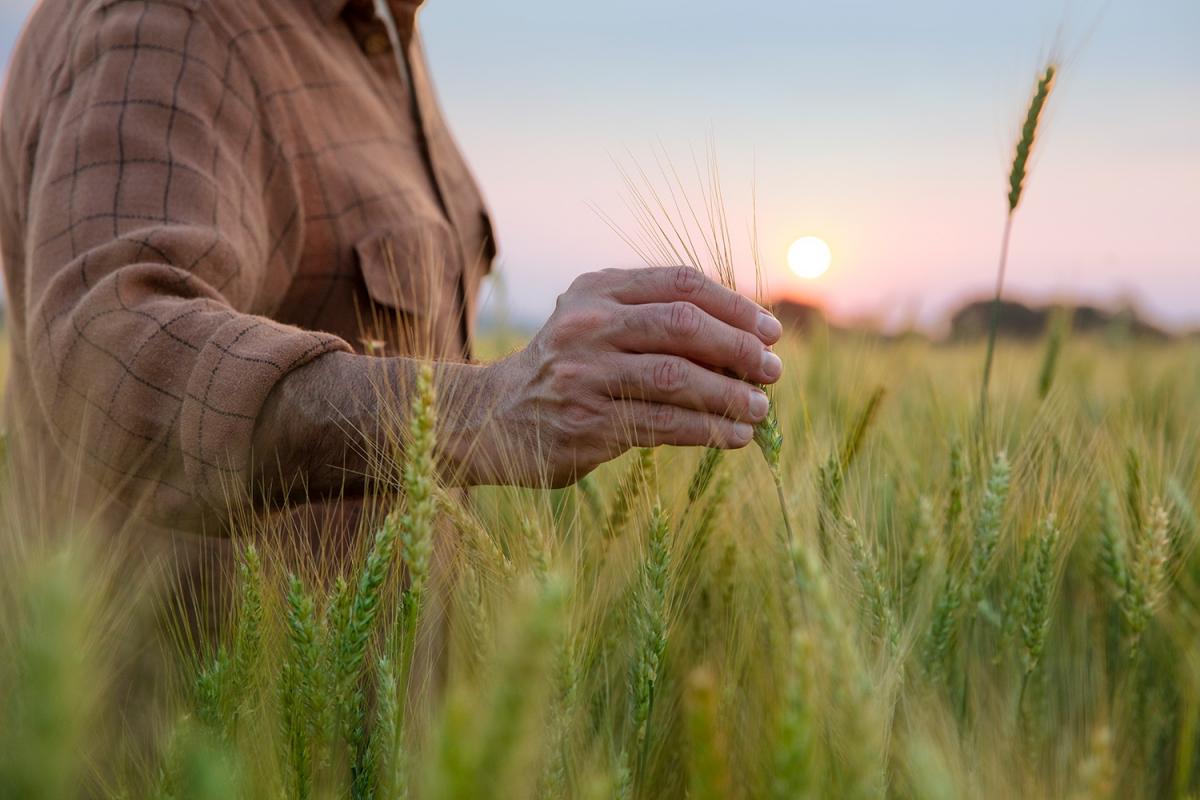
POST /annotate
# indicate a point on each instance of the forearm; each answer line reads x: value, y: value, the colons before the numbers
x: 618, y: 364
x: 334, y: 424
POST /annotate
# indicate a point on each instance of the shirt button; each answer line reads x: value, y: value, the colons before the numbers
x: 376, y: 44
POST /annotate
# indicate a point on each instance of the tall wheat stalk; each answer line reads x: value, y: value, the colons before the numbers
x: 1035, y: 589
x: 1016, y: 185
x: 353, y: 639
x: 650, y: 628
x: 416, y: 525
x: 302, y: 695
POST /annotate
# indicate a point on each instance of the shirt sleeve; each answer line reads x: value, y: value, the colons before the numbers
x: 160, y: 213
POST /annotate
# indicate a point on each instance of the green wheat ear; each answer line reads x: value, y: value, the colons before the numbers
x: 248, y: 643
x: 1036, y: 590
x: 302, y: 699
x: 633, y: 485
x: 650, y: 629
x: 416, y: 525
x: 1016, y: 178
x: 769, y: 437
x: 1016, y: 185
x: 702, y: 477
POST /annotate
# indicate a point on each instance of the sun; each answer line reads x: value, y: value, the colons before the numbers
x: 809, y: 257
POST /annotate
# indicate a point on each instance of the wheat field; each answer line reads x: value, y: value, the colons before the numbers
x: 907, y: 587
x: 962, y: 611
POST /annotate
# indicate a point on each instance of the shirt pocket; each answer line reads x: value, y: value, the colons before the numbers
x: 412, y: 272
x: 412, y: 267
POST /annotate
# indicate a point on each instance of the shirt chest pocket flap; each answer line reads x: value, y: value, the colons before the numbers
x: 412, y: 266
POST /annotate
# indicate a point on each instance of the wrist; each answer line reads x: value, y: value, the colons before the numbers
x: 471, y: 420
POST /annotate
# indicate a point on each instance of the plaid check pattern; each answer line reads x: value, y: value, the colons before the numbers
x: 194, y: 196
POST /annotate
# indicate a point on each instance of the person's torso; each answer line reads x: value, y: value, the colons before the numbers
x: 388, y: 238
x: 390, y: 234
x: 395, y: 234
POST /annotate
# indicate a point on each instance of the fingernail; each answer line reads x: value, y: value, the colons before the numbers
x: 758, y: 404
x: 769, y: 327
x: 772, y: 367
x: 742, y: 433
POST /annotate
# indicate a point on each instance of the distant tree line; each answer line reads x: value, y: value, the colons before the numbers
x: 1017, y: 320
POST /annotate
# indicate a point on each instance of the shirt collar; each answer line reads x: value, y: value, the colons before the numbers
x: 329, y: 10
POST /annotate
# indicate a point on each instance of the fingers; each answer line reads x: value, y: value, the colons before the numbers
x: 672, y: 284
x: 649, y: 424
x: 678, y: 382
x: 684, y: 329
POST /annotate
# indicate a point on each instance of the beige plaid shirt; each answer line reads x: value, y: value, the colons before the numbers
x: 200, y: 196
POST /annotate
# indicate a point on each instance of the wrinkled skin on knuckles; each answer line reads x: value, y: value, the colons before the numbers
x: 631, y: 358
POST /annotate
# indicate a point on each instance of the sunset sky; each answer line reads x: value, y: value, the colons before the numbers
x: 886, y: 131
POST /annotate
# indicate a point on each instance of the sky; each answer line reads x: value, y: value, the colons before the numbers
x: 884, y: 128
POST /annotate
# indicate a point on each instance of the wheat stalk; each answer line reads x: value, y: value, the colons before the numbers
x: 697, y: 545
x: 591, y: 496
x: 954, y: 501
x: 337, y: 620
x: 1060, y: 326
x: 943, y: 629
x: 302, y: 698
x: 987, y: 528
x: 475, y: 619
x: 247, y: 648
x: 921, y: 549
x: 382, y: 769
x: 416, y: 525
x: 1111, y: 553
x: 1148, y: 580
x: 636, y: 481
x: 535, y: 548
x: 876, y: 596
x: 1035, y: 589
x: 650, y: 629
x: 674, y: 231
x: 224, y: 685
x: 484, y: 554
x: 1134, y: 491
x: 1016, y: 183
x: 354, y: 635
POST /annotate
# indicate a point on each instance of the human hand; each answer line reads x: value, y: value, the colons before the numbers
x: 629, y: 358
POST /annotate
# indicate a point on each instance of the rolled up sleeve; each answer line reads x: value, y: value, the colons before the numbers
x: 161, y: 214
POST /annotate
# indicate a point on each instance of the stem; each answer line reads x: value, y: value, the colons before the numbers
x: 1021, y: 695
x: 408, y: 646
x: 968, y: 634
x: 995, y: 318
x: 644, y: 750
x: 777, y: 477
